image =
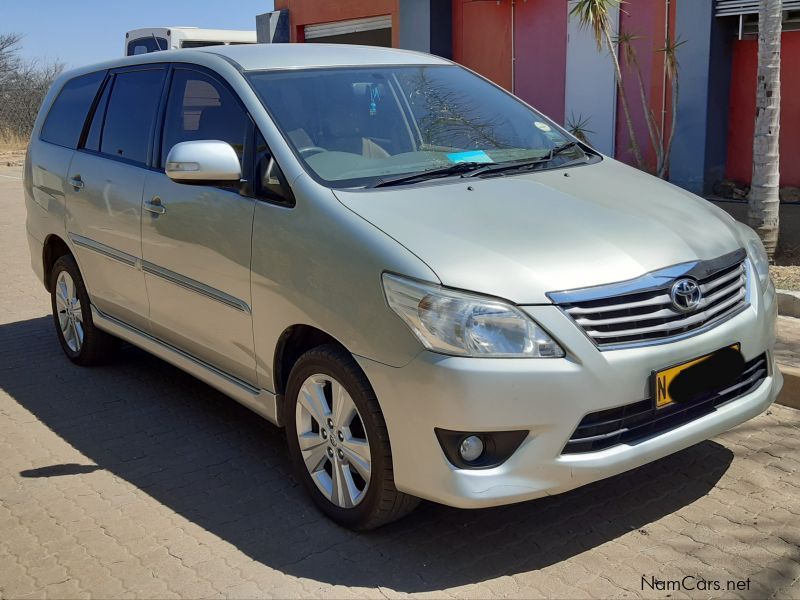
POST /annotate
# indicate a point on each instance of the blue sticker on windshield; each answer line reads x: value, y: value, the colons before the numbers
x: 478, y: 156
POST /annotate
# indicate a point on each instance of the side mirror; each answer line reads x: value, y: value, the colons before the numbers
x: 203, y: 161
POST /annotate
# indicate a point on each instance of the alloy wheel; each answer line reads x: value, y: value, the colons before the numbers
x: 70, y: 316
x: 333, y: 440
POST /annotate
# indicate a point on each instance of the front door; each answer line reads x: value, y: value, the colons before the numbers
x: 196, y: 238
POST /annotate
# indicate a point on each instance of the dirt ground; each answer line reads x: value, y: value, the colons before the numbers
x: 11, y: 157
x: 786, y: 278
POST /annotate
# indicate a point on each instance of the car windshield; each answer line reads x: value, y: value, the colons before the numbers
x: 363, y: 126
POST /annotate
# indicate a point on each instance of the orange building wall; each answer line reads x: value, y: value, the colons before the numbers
x: 482, y: 38
x: 312, y: 12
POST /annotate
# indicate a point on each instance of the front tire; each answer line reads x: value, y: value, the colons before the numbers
x: 81, y: 341
x: 338, y: 441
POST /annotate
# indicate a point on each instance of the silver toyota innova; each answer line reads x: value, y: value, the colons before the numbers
x: 435, y: 289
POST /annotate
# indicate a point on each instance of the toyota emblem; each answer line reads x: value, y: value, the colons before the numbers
x: 685, y: 295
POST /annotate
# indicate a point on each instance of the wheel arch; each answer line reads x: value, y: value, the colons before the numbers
x: 295, y: 341
x: 54, y: 247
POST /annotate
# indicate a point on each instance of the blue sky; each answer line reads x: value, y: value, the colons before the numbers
x: 78, y: 32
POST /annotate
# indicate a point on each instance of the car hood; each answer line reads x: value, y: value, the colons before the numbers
x: 521, y: 236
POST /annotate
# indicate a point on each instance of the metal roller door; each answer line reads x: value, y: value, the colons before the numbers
x: 372, y: 31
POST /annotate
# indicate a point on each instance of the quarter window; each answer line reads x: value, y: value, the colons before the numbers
x: 200, y: 108
x: 96, y: 127
x: 66, y: 118
x: 131, y: 113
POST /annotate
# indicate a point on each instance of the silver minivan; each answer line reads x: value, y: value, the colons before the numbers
x: 435, y: 289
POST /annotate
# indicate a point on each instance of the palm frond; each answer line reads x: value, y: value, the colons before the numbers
x: 670, y: 50
x: 594, y: 15
x: 625, y: 41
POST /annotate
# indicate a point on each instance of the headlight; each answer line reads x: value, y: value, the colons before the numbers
x: 757, y: 253
x: 463, y: 324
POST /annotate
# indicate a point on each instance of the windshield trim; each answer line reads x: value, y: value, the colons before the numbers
x: 348, y: 184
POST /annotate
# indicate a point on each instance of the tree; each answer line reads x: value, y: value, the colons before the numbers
x: 9, y: 57
x: 763, y: 201
x: 23, y: 86
x: 594, y: 15
x: 662, y: 146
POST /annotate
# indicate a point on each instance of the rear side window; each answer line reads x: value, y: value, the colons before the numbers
x: 65, y: 120
x: 201, y: 108
x: 131, y: 113
x: 147, y: 45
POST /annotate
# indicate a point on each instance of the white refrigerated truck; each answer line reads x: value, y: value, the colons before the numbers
x: 153, y: 39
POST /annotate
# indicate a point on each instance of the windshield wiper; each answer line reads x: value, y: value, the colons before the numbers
x: 525, y: 164
x: 566, y: 146
x: 454, y: 169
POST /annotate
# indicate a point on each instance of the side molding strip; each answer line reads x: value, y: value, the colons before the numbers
x: 108, y: 251
x: 171, y: 276
x: 195, y: 286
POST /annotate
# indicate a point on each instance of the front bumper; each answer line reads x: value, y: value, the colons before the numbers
x: 549, y: 397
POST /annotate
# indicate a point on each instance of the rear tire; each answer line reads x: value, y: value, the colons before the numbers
x: 346, y: 460
x: 81, y: 341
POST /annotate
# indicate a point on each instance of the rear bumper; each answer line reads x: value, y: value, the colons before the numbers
x: 36, y: 248
x: 549, y: 397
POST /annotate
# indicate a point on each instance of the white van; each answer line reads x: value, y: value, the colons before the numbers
x: 153, y: 39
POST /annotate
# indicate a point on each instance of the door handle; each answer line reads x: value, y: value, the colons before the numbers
x: 155, y: 206
x: 76, y: 182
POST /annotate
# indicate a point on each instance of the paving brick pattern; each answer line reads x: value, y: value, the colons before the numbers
x: 135, y: 480
x: 787, y: 348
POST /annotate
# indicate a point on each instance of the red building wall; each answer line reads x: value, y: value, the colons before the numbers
x: 312, y: 12
x: 482, y: 38
x: 541, y: 52
x: 742, y: 111
x: 647, y: 20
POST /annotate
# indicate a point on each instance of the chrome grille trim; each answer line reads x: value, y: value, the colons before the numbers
x: 640, y: 311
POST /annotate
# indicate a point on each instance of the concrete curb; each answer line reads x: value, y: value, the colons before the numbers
x: 789, y: 303
x: 790, y: 395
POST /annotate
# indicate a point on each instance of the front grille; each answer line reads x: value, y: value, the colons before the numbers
x: 635, y: 422
x: 642, y: 310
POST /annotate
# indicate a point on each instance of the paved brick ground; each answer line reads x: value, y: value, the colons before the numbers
x: 135, y: 480
x: 787, y: 350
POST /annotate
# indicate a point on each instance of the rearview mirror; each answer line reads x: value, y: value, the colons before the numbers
x: 203, y: 161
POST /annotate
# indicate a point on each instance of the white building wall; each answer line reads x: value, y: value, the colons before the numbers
x: 591, y: 91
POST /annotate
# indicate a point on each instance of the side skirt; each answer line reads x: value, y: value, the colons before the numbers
x: 258, y: 400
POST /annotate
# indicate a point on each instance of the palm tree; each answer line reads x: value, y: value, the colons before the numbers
x: 763, y: 201
x: 594, y: 15
x: 661, y: 146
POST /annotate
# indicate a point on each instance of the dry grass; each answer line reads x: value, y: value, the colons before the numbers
x: 12, y: 149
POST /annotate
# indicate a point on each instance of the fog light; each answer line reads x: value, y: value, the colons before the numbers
x: 471, y: 448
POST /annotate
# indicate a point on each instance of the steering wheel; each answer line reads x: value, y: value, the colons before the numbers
x: 310, y: 151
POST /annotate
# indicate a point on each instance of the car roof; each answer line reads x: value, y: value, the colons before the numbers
x: 261, y: 57
x: 292, y: 56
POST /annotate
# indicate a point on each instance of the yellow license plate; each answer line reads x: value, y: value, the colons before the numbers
x: 662, y: 379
